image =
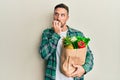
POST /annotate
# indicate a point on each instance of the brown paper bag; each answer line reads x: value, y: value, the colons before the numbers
x: 70, y: 57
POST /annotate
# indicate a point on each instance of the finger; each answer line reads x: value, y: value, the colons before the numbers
x: 79, y: 75
x: 76, y: 66
x: 54, y: 24
x: 74, y: 74
x: 56, y: 27
x: 59, y: 24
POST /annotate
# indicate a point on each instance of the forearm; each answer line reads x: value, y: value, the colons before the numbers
x: 48, y: 45
x: 89, y: 61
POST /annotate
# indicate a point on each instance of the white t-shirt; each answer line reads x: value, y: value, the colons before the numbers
x: 59, y: 75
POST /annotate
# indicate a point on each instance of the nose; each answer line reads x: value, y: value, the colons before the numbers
x: 59, y: 17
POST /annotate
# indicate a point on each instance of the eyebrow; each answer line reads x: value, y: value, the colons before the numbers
x: 58, y: 13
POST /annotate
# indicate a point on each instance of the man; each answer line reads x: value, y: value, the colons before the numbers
x: 51, y: 44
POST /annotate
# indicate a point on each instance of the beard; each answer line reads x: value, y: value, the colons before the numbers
x: 62, y: 25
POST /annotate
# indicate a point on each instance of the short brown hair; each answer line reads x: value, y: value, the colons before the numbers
x: 61, y: 5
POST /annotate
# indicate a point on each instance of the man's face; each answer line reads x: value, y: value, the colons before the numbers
x: 61, y: 15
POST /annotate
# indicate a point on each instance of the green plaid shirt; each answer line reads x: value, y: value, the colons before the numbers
x: 48, y: 48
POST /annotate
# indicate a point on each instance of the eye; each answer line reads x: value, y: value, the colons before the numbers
x: 62, y: 15
x: 56, y: 14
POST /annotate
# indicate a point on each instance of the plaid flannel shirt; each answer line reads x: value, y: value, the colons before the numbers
x: 48, y: 48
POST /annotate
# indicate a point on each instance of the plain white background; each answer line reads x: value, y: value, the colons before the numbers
x: 21, y: 25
